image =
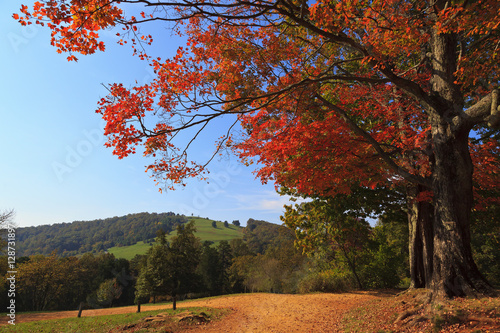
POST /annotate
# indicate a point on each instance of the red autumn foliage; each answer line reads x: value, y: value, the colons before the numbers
x: 269, y: 64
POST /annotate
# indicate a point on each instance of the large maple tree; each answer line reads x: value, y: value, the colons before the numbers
x: 328, y: 93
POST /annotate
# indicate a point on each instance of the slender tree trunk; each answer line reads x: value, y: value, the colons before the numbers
x: 421, y: 247
x: 174, y: 302
x: 360, y: 285
x: 352, y: 266
x: 80, y: 309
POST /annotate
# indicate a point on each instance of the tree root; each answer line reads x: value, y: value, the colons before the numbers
x: 408, y: 313
x: 422, y: 308
x: 482, y: 320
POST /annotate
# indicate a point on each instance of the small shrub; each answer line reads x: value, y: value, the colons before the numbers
x: 328, y: 281
x: 382, y: 269
x: 405, y: 283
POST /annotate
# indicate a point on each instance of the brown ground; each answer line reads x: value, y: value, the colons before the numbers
x: 282, y: 313
x: 253, y: 312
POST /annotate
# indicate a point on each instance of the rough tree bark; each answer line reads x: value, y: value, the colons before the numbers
x: 454, y: 272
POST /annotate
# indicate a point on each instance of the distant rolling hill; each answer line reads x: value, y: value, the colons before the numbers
x: 204, y: 230
x: 125, y: 235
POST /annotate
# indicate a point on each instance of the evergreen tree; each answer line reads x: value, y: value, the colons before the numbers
x: 171, y: 266
x: 210, y: 269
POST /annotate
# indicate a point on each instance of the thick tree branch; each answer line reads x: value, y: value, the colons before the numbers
x: 486, y: 110
x: 409, y: 86
x: 376, y: 145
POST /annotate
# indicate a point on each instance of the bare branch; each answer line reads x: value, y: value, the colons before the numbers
x: 6, y: 218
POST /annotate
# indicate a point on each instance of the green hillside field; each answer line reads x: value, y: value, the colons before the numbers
x: 204, y: 230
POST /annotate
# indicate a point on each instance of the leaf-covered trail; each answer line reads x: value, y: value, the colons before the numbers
x: 282, y: 313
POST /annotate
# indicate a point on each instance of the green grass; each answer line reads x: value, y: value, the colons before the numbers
x: 204, y: 230
x: 128, y: 252
x: 84, y: 324
x: 100, y: 324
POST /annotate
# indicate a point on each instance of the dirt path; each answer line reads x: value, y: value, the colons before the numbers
x: 252, y: 312
x: 282, y: 313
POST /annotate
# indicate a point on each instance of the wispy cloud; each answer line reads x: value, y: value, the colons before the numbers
x: 268, y: 201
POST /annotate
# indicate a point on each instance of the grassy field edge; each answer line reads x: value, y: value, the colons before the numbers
x: 204, y: 230
x: 115, y: 322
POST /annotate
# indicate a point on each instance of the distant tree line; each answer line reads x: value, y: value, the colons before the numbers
x: 81, y: 237
x: 61, y: 283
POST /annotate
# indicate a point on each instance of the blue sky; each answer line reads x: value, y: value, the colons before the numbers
x: 53, y: 165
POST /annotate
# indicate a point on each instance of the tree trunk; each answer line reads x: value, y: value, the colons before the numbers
x: 420, y: 220
x: 353, y: 270
x: 454, y: 272
x: 80, y: 309
x: 174, y: 302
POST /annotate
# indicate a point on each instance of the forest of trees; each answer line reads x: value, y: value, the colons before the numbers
x: 80, y: 237
x: 269, y: 258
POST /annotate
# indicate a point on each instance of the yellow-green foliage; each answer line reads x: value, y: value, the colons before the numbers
x: 331, y: 280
